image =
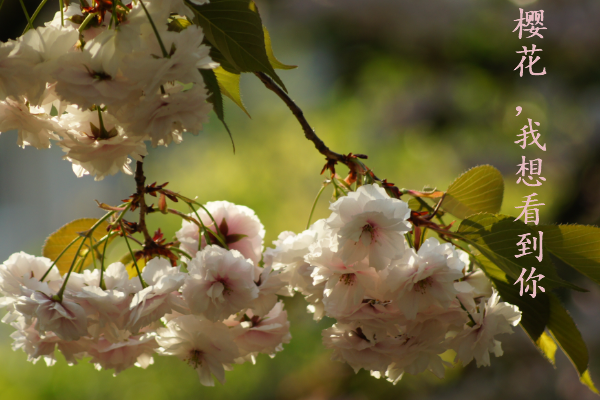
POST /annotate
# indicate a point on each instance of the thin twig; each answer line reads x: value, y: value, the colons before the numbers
x: 140, y: 181
x: 308, y: 130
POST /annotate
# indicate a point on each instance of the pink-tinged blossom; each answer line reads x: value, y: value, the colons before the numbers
x: 34, y: 127
x: 66, y: 319
x: 38, y: 346
x: 164, y: 117
x: 107, y: 311
x: 288, y: 257
x: 21, y: 275
x: 480, y: 283
x: 241, y: 227
x: 264, y: 334
x: 50, y: 43
x: 270, y: 284
x: 159, y: 298
x: 94, y: 152
x: 477, y: 341
x: 370, y: 223
x: 424, y: 278
x: 136, y: 350
x: 418, y: 348
x: 350, y: 345
x: 206, y: 346
x: 82, y: 81
x: 187, y: 54
x: 376, y: 318
x: 345, y: 285
x: 220, y: 283
x: 17, y: 77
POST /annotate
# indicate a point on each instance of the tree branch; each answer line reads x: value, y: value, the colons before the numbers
x: 309, y: 133
x: 350, y: 160
x: 140, y: 181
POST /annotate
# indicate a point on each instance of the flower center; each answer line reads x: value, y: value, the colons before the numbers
x: 423, y: 284
x: 195, y: 358
x: 348, y: 279
x: 369, y: 230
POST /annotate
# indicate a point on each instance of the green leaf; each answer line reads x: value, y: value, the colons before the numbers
x: 496, y: 237
x: 272, y: 59
x: 215, y: 98
x: 216, y: 55
x: 235, y: 28
x: 480, y: 189
x: 548, y: 347
x: 565, y: 333
x: 230, y: 86
x: 576, y: 245
x: 56, y: 242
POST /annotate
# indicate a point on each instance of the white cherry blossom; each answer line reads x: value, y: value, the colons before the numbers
x: 478, y: 341
x: 220, y: 283
x: 369, y: 223
x: 206, y: 346
x: 241, y: 227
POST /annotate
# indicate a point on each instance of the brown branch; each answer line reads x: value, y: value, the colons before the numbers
x: 350, y: 160
x: 309, y: 133
x: 140, y: 181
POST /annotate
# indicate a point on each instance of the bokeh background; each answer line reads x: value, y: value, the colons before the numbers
x: 427, y: 90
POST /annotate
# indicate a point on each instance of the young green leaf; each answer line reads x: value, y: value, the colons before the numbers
x: 235, y: 28
x: 56, y: 242
x: 216, y: 98
x: 272, y: 59
x: 496, y: 237
x: 480, y: 189
x: 565, y: 333
x: 229, y: 84
x: 577, y: 245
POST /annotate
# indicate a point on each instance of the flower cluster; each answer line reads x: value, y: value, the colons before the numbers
x: 216, y: 309
x: 101, y: 84
x: 397, y: 308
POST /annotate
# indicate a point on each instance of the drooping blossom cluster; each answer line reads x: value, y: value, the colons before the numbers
x: 397, y: 309
x: 102, y: 87
x: 216, y: 309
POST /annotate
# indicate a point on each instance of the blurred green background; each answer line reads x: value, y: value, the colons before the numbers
x: 427, y: 90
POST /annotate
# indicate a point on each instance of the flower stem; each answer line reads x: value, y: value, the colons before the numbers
x: 315, y: 202
x: 59, y: 296
x: 468, y: 313
x: 62, y: 13
x: 91, y: 230
x: 86, y: 21
x: 160, y: 42
x: 59, y: 256
x: 176, y: 250
x: 144, y: 285
x: 35, y: 14
x: 102, y: 284
x: 218, y: 235
x: 93, y: 253
x: 26, y: 14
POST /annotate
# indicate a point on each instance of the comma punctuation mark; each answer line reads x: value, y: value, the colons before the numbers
x: 519, y: 109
